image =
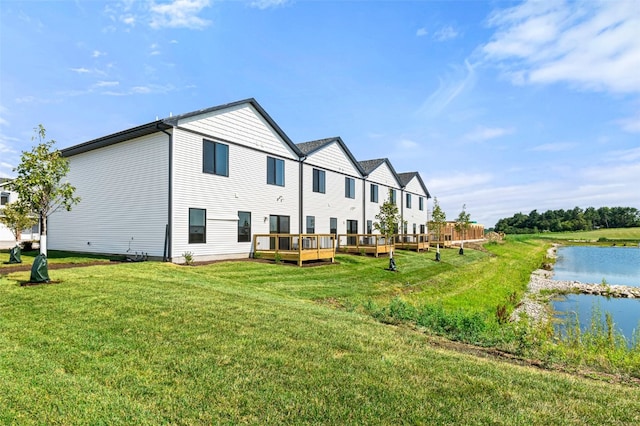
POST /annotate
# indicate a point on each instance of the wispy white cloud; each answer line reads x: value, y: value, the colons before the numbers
x: 266, y: 4
x: 624, y: 155
x: 97, y: 54
x: 422, y: 32
x: 591, y: 45
x: 554, y: 147
x: 630, y: 124
x: 179, y: 14
x: 445, y: 33
x: 481, y: 133
x: 448, y: 90
x: 407, y: 144
x: 106, y: 84
x: 81, y: 70
x: 456, y: 182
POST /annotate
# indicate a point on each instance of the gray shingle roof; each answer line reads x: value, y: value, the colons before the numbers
x: 370, y: 165
x: 406, y: 177
x: 308, y: 148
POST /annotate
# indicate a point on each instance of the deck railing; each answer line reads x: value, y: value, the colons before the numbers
x: 295, y: 247
x: 411, y: 241
x: 375, y: 244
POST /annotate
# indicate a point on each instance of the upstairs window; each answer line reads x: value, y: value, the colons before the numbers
x: 374, y: 193
x: 349, y: 187
x: 421, y: 203
x: 318, y: 181
x: 392, y: 196
x: 4, y: 198
x: 215, y: 158
x: 408, y: 201
x: 275, y: 171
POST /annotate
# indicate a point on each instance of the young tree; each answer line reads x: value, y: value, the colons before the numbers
x: 462, y: 224
x: 39, y: 183
x: 16, y: 216
x: 387, y: 222
x: 437, y: 223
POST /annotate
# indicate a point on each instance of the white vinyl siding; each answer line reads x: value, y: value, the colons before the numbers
x: 241, y: 124
x: 415, y: 215
x: 332, y: 204
x: 123, y: 190
x: 245, y: 190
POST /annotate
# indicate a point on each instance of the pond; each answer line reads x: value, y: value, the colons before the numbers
x: 614, y: 265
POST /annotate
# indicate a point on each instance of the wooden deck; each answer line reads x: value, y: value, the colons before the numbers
x: 375, y: 244
x: 295, y: 247
x: 417, y: 242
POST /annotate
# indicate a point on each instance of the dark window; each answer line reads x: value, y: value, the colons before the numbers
x: 318, y: 181
x: 374, y: 193
x: 197, y: 226
x: 4, y: 198
x: 215, y: 158
x: 421, y: 203
x: 414, y: 228
x: 369, y: 227
x: 404, y: 228
x: 352, y: 228
x: 244, y: 227
x: 422, y: 229
x: 392, y: 196
x: 333, y: 225
x: 349, y: 187
x: 275, y: 171
x: 279, y: 225
x: 311, y: 224
x: 408, y: 201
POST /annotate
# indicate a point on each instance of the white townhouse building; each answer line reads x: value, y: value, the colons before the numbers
x: 414, y: 203
x: 205, y: 182
x: 380, y: 179
x: 332, y: 188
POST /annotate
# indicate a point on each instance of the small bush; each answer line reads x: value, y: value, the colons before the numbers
x: 188, y: 257
x: 27, y: 245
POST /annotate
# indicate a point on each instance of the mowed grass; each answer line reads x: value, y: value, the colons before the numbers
x: 243, y: 342
x: 623, y: 234
x: 53, y: 257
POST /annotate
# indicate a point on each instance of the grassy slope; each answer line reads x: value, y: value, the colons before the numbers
x: 243, y: 342
x: 626, y: 234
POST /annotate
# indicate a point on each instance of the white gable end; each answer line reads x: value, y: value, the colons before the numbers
x: 332, y: 157
x: 240, y: 124
x: 384, y: 176
x: 415, y: 188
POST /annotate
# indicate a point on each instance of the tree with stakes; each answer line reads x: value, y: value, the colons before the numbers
x: 40, y: 184
x: 462, y: 225
x: 387, y: 222
x: 437, y: 223
x: 16, y: 216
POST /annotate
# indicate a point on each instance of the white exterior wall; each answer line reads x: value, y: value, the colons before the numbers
x: 250, y: 141
x: 333, y: 203
x: 383, y: 177
x: 7, y: 240
x: 414, y: 214
x: 124, y: 200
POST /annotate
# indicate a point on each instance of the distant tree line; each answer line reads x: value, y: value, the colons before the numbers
x: 575, y: 219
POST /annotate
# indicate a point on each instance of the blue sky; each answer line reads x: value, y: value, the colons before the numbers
x: 503, y: 106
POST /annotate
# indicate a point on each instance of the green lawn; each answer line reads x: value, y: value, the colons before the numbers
x: 243, y: 342
x: 54, y: 256
x: 623, y: 234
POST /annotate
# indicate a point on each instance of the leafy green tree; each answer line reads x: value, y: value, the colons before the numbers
x: 40, y: 184
x: 437, y: 224
x: 462, y: 225
x: 388, y: 219
x: 16, y: 216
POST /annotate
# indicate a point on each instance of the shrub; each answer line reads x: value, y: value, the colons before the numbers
x: 188, y: 257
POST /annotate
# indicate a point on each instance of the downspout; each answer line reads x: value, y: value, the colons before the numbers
x: 402, y: 195
x: 301, y: 195
x: 364, y: 204
x: 169, y: 231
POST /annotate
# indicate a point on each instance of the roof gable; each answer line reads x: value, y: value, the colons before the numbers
x: 407, y: 177
x: 312, y: 147
x: 370, y: 166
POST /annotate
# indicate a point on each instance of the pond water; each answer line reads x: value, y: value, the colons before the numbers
x: 615, y: 265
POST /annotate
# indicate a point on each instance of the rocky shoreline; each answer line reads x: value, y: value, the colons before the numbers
x: 535, y: 305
